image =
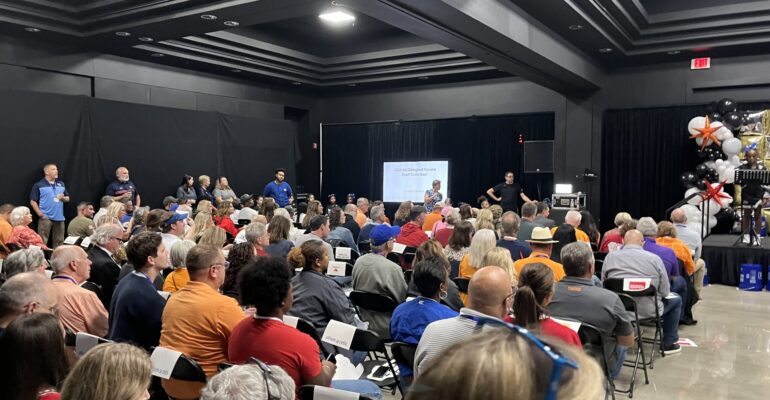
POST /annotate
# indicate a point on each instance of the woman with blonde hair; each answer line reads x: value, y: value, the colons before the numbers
x: 509, y: 363
x: 214, y: 236
x: 312, y: 210
x: 114, y: 371
x: 483, y: 241
x: 202, y: 189
x: 485, y: 220
x: 402, y: 214
x: 204, y: 206
x: 201, y: 222
x: 500, y: 257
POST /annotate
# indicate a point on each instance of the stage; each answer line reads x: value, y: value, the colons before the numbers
x: 723, y: 258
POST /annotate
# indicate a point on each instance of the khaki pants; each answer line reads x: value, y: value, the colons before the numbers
x: 53, y: 229
x: 700, y: 272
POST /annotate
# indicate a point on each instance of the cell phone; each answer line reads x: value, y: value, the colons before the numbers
x: 332, y: 358
x: 380, y: 371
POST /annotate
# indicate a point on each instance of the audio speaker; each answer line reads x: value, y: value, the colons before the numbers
x: 538, y: 156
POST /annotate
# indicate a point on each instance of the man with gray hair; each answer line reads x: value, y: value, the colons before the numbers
x: 577, y: 298
x: 105, y: 271
x: 351, y: 212
x: 693, y: 241
x: 528, y: 213
x: 104, y: 203
x: 573, y: 218
x: 363, y: 207
x: 632, y: 261
x: 79, y: 309
x: 519, y: 249
x: 319, y: 230
x: 26, y: 293
x: 649, y: 228
x: 377, y: 213
x: 25, y: 260
x: 256, y: 234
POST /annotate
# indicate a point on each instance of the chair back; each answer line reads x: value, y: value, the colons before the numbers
x: 365, y: 247
x: 593, y: 344
x: 308, y: 392
x: 455, y: 270
x: 395, y: 257
x: 94, y: 287
x: 404, y: 353
x: 372, y: 301
x: 462, y: 284
x: 616, y: 285
x: 334, y: 242
x: 187, y: 369
x: 244, y: 222
x: 366, y: 340
x: 409, y: 254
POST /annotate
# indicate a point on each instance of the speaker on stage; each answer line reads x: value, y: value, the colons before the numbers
x: 538, y: 156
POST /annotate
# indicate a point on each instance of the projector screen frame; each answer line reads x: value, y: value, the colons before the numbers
x: 448, y: 176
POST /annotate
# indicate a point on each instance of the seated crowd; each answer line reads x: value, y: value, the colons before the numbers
x: 219, y: 283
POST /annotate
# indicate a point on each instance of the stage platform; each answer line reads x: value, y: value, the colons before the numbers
x: 724, y: 258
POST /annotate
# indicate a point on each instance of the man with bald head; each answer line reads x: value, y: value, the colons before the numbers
x: 489, y: 296
x: 632, y: 261
x: 80, y: 310
x: 26, y: 293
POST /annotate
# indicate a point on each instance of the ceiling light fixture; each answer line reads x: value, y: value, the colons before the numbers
x: 32, y: 30
x: 157, y: 55
x: 605, y: 50
x: 673, y: 52
x: 231, y: 23
x: 575, y: 27
x: 146, y: 39
x: 123, y: 34
x: 296, y: 83
x: 337, y: 17
x: 351, y: 84
x: 422, y: 78
x: 209, y: 17
x: 235, y: 70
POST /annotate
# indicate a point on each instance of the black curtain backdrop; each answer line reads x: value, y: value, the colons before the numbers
x: 89, y: 138
x: 480, y: 150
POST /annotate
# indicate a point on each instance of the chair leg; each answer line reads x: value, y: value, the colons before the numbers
x: 641, y: 351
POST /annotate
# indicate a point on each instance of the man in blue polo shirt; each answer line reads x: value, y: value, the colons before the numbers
x: 47, y: 199
x: 279, y: 190
x: 122, y: 188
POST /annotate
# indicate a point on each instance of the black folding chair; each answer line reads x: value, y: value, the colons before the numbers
x: 395, y: 257
x: 691, y: 296
x: 404, y: 353
x: 372, y: 302
x: 408, y: 276
x: 455, y: 271
x: 307, y: 392
x: 365, y: 247
x: 310, y: 330
x: 593, y: 344
x: 368, y: 341
x: 462, y: 284
x: 598, y: 265
x: 244, y: 222
x: 186, y: 369
x: 616, y: 285
x: 409, y: 254
x: 94, y: 287
x: 630, y: 305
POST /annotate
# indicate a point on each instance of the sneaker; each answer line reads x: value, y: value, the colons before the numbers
x: 672, y: 348
x: 746, y: 239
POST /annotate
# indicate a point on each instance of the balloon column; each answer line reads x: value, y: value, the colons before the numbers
x: 720, y: 136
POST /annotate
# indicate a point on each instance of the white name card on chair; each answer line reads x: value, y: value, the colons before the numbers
x: 336, y: 268
x: 163, y: 361
x: 291, y: 321
x: 574, y: 325
x: 1, y: 266
x: 163, y: 294
x: 86, y: 242
x: 339, y: 334
x: 399, y: 248
x: 48, y: 273
x: 71, y: 239
x: 342, y: 253
x: 636, y: 284
x: 327, y: 393
x: 84, y: 342
x: 429, y: 234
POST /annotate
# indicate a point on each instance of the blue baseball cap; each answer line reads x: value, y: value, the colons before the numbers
x: 382, y: 233
x: 176, y: 217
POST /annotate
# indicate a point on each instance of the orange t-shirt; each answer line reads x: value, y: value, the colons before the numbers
x: 198, y: 322
x: 681, y: 250
x: 431, y: 220
x: 360, y: 219
x: 536, y: 257
x: 579, y: 234
x: 5, y: 230
x: 176, y: 280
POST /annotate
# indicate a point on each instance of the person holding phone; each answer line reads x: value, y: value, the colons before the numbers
x: 433, y: 195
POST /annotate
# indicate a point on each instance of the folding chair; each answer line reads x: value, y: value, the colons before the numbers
x: 308, y: 392
x: 408, y: 255
x: 94, y: 287
x: 368, y: 341
x: 308, y: 329
x: 593, y: 344
x: 187, y: 369
x: 404, y: 354
x: 630, y: 305
x: 616, y: 285
x: 462, y: 284
x: 372, y: 302
x: 365, y: 247
x: 408, y: 276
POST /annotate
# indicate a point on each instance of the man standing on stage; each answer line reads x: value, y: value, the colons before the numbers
x: 279, y: 190
x: 509, y: 193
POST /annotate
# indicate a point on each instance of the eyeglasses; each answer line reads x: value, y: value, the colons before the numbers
x: 266, y: 371
x: 225, y: 264
x: 559, y: 361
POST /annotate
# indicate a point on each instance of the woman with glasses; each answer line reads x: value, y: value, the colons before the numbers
x: 530, y: 302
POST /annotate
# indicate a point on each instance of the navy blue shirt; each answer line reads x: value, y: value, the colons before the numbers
x: 280, y: 192
x: 410, y: 319
x: 519, y: 249
x: 118, y: 188
x: 136, y: 311
x: 44, y: 193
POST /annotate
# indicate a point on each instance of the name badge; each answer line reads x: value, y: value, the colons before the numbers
x: 339, y: 334
x: 163, y: 361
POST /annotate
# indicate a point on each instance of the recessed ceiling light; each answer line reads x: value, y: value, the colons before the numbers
x: 423, y: 78
x: 605, y: 50
x: 123, y: 34
x: 32, y: 30
x: 575, y: 27
x: 208, y: 17
x: 296, y: 83
x: 231, y: 23
x: 337, y: 17
x: 351, y: 84
x: 673, y: 52
x: 146, y: 39
x: 157, y: 55
x: 235, y: 70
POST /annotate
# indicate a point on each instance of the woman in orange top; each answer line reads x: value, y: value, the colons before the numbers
x: 483, y: 241
x: 667, y: 238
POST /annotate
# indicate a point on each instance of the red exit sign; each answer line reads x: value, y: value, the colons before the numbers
x: 700, y: 63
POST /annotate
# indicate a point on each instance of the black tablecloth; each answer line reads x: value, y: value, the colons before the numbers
x: 723, y: 258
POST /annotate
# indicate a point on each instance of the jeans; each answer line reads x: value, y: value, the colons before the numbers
x: 362, y: 386
x: 671, y: 309
x: 620, y: 356
x: 679, y: 286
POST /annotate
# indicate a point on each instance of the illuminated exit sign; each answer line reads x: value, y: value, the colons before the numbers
x: 700, y: 63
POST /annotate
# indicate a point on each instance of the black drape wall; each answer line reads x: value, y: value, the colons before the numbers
x: 89, y: 138
x: 480, y: 150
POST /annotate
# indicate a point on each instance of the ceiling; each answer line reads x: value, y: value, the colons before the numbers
x: 655, y: 31
x: 277, y: 41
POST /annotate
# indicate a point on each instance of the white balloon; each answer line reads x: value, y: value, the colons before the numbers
x: 723, y: 134
x: 735, y: 161
x: 712, y: 222
x: 696, y: 199
x: 711, y: 164
x: 692, y: 212
x: 697, y: 122
x: 712, y: 209
x: 732, y: 146
x: 728, y: 174
x: 699, y: 141
x: 695, y: 226
x: 719, y: 161
x: 721, y: 168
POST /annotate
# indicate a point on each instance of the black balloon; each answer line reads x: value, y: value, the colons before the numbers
x: 712, y: 176
x: 688, y: 179
x: 701, y: 170
x: 712, y: 107
x: 732, y: 120
x: 714, y: 116
x: 700, y: 185
x: 725, y: 220
x: 727, y: 106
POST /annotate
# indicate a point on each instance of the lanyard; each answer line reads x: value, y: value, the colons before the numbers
x: 137, y: 273
x: 69, y: 278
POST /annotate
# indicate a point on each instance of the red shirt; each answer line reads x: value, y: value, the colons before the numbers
x: 227, y: 224
x: 273, y: 342
x: 552, y: 328
x: 611, y: 236
x: 443, y: 235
